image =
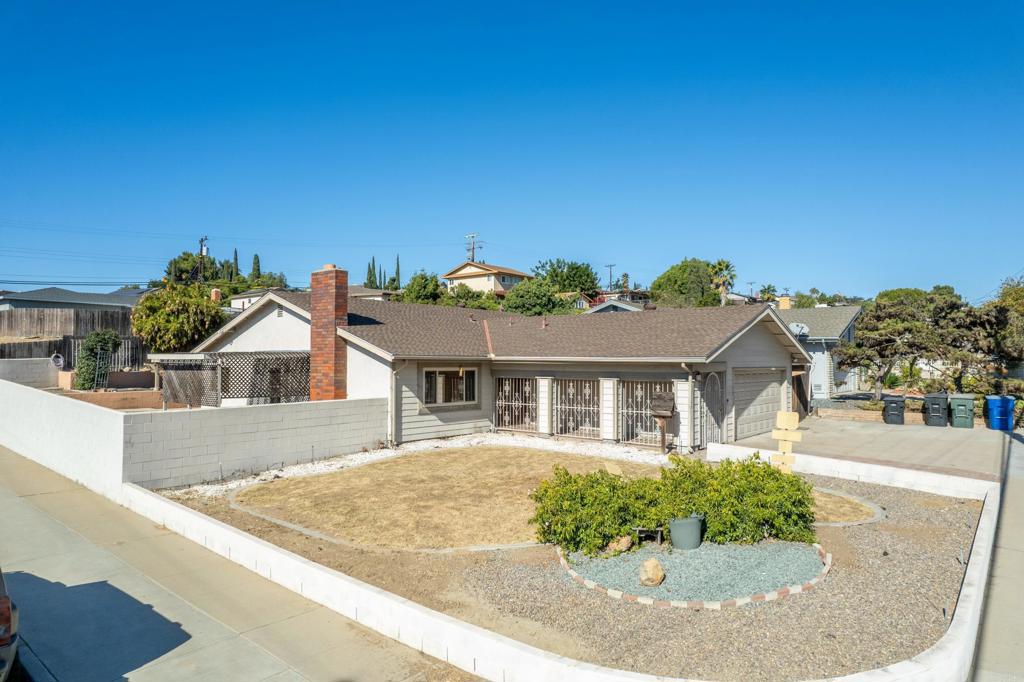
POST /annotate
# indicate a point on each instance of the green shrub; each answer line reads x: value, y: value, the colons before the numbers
x: 742, y: 502
x: 88, y: 365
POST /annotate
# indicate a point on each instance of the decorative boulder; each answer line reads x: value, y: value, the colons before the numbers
x: 619, y: 545
x: 651, y: 573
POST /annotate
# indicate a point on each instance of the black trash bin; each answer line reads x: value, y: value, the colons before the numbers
x: 936, y: 409
x: 892, y: 412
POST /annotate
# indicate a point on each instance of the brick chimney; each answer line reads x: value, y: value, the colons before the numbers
x: 327, y: 359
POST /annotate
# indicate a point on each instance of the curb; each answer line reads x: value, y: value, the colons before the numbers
x: 780, y: 593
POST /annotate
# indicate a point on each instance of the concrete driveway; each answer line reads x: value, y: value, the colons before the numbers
x: 104, y: 594
x: 964, y: 452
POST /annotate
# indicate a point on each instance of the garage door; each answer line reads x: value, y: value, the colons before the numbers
x: 758, y: 395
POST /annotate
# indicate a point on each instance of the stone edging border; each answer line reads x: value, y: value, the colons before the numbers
x: 781, y: 593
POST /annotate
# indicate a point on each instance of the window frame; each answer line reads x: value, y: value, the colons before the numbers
x: 438, y: 404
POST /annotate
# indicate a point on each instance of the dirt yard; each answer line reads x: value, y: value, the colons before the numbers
x: 832, y: 508
x: 458, y: 497
x: 882, y: 602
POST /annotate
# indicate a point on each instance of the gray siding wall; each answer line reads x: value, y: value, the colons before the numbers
x: 184, y: 447
x: 417, y: 421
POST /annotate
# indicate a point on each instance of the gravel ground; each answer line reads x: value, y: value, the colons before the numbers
x: 709, y: 573
x: 882, y: 601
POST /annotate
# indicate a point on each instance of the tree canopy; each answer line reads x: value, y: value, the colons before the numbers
x: 568, y: 276
x: 535, y: 297
x: 723, y: 277
x: 686, y: 284
x: 423, y: 288
x: 220, y: 274
x: 176, y: 317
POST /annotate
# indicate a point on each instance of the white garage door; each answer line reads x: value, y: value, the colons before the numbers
x: 758, y: 395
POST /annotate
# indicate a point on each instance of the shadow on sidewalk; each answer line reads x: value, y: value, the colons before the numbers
x: 93, y: 631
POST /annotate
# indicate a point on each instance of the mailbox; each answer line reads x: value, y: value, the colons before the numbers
x: 663, y: 404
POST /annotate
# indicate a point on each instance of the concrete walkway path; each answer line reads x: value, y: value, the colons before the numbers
x: 961, y: 452
x: 1000, y: 656
x: 104, y: 595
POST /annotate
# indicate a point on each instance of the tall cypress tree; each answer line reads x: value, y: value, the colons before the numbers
x: 380, y: 277
x: 234, y: 272
x: 398, y: 273
x: 369, y: 281
x: 255, y: 274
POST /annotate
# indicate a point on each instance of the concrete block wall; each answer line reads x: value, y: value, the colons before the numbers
x: 184, y: 447
x: 35, y: 372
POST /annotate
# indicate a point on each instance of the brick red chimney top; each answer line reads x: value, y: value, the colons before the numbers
x: 327, y: 351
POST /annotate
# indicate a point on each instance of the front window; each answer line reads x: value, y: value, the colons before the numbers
x: 449, y: 386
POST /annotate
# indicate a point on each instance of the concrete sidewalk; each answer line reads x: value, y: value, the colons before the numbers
x: 104, y: 594
x: 1000, y: 656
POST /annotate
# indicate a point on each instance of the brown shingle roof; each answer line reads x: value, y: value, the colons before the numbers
x: 422, y: 331
x: 665, y: 333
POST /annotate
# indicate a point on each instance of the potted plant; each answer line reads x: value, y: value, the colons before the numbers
x: 687, y: 532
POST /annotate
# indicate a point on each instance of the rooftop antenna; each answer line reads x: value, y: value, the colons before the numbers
x: 473, y: 243
x: 610, y: 266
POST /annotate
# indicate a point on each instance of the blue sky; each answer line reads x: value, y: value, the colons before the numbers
x: 851, y: 146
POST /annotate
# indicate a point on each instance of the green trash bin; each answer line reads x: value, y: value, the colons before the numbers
x: 961, y: 407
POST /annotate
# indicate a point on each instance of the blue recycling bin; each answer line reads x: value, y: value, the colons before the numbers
x: 1000, y: 412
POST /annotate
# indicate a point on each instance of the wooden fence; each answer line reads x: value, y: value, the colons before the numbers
x: 59, y: 322
x: 20, y: 350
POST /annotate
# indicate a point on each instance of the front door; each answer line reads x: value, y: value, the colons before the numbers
x: 714, y: 409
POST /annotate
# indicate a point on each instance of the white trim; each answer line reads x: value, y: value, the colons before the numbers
x: 264, y: 300
x: 663, y: 360
x: 769, y: 311
x: 438, y: 389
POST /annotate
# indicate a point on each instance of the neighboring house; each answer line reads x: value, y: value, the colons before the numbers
x: 577, y: 300
x: 245, y: 299
x: 55, y: 297
x: 616, y: 306
x: 485, y: 277
x: 820, y: 330
x: 640, y: 297
x: 450, y: 371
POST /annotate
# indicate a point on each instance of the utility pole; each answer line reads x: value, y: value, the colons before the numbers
x: 472, y: 244
x: 610, y: 266
x: 751, y: 285
x: 202, y: 255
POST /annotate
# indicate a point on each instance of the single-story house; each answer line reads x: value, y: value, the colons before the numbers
x: 820, y: 330
x: 484, y: 277
x: 450, y: 371
x: 56, y: 297
x: 616, y: 306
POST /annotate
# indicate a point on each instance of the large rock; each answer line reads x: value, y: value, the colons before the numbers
x: 651, y: 573
x: 619, y: 545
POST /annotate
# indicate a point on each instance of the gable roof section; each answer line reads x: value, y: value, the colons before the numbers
x: 486, y: 267
x: 625, y: 306
x: 823, y: 323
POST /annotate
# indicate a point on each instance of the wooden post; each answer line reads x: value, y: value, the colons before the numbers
x: 786, y: 434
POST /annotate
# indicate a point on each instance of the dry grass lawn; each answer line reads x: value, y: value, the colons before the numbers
x: 829, y: 508
x: 455, y: 497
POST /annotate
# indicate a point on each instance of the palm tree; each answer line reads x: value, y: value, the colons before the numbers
x: 768, y: 292
x: 723, y: 276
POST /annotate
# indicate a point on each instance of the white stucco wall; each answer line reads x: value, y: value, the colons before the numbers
x: 79, y: 440
x: 367, y: 375
x: 269, y: 329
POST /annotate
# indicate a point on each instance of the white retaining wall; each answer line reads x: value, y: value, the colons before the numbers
x: 81, y: 441
x: 35, y: 372
x: 183, y: 447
